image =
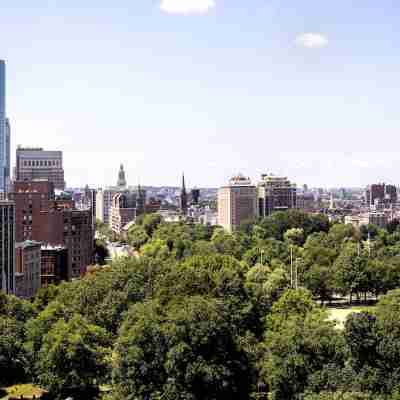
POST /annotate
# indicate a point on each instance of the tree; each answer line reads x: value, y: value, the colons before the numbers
x: 300, y: 342
x: 13, y: 361
x: 187, y: 351
x: 294, y: 236
x: 74, y: 357
x: 137, y: 236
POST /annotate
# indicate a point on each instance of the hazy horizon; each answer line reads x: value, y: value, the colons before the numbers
x: 210, y: 87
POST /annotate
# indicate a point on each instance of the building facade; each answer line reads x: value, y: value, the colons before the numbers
x: 7, y: 249
x: 38, y: 164
x: 4, y: 133
x: 42, y: 217
x: 237, y: 203
x: 275, y: 193
x: 27, y: 269
x: 381, y: 194
x: 54, y: 265
x: 123, y: 210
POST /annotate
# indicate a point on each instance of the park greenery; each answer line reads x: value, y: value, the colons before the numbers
x: 203, y: 314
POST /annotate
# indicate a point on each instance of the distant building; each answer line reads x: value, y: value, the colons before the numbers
x: 54, y: 265
x: 275, y: 193
x: 237, y: 203
x: 7, y: 242
x: 123, y: 210
x: 28, y: 269
x: 379, y: 219
x: 121, y: 183
x: 381, y: 194
x: 305, y: 202
x: 153, y: 205
x: 104, y: 198
x: 195, y: 196
x: 38, y: 164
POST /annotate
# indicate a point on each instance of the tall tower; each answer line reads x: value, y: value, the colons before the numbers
x: 183, y: 204
x: 237, y: 203
x: 121, y: 178
x: 4, y: 130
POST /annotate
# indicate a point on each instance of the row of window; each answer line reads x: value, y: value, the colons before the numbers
x: 42, y: 163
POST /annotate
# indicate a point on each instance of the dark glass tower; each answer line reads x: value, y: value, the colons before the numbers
x: 4, y: 132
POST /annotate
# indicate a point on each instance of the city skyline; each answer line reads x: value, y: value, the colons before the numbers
x: 310, y: 93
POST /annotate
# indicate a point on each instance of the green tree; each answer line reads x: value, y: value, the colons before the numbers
x: 187, y: 351
x: 74, y: 357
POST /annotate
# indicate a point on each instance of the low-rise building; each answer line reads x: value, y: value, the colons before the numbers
x: 28, y: 269
x: 54, y: 264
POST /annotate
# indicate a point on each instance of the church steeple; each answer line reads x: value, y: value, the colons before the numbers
x: 183, y: 196
x: 121, y: 178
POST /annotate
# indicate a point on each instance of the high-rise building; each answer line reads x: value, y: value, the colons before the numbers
x: 381, y: 194
x: 7, y: 249
x: 4, y: 133
x: 237, y: 203
x: 275, y: 193
x: 38, y: 164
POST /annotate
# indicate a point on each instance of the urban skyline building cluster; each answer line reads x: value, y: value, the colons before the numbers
x: 47, y: 231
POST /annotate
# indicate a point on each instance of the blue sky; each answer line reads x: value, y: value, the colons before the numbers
x: 307, y: 89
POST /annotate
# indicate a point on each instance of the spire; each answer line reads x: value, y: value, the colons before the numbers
x: 121, y: 178
x: 183, y: 183
x: 183, y: 196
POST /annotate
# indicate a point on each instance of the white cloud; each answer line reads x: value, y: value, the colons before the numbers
x: 187, y: 7
x: 312, y: 40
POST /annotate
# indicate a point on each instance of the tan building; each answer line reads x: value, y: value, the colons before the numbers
x: 237, y: 203
x: 27, y: 271
x: 36, y: 163
x: 379, y: 219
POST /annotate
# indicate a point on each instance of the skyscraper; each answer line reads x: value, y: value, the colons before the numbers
x: 275, y: 193
x: 4, y: 132
x: 237, y: 203
x: 7, y: 246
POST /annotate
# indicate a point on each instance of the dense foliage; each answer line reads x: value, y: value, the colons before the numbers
x: 207, y: 315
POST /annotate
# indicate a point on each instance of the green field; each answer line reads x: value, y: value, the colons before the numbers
x: 340, y: 314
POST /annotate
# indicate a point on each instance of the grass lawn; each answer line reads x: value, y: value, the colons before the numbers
x: 26, y: 390
x: 340, y: 314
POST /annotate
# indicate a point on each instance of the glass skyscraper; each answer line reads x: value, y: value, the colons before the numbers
x: 4, y: 133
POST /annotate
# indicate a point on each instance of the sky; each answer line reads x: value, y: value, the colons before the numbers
x: 306, y: 89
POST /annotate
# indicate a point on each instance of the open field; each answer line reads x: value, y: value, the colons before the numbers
x: 340, y: 314
x: 26, y: 390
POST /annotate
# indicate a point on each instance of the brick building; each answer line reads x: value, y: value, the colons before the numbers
x: 41, y: 216
x: 54, y: 264
x: 27, y: 269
